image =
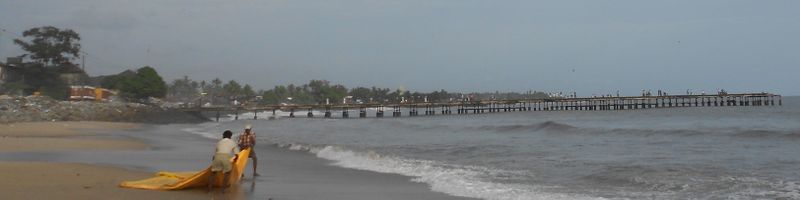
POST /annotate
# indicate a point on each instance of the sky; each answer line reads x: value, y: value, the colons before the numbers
x: 586, y: 46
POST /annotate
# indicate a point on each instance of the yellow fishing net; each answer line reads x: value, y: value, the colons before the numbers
x: 183, y: 180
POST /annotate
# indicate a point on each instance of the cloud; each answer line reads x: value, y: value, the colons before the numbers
x: 424, y: 45
x: 101, y: 19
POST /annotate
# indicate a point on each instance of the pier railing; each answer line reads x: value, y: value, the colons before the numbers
x: 515, y: 105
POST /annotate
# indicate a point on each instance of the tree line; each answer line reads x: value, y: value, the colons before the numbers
x: 215, y: 92
x: 48, y: 68
x: 51, y: 52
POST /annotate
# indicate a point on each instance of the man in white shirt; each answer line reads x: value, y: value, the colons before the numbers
x: 226, y: 148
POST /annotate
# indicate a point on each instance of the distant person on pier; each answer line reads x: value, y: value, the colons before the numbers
x: 248, y: 140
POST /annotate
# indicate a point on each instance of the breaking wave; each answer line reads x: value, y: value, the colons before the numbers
x: 202, y: 130
x: 465, y: 181
x: 545, y: 126
x: 456, y: 180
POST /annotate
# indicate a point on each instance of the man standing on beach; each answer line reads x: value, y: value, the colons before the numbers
x: 248, y: 140
x: 226, y: 149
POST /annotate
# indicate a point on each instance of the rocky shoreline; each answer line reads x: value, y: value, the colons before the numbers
x: 40, y: 108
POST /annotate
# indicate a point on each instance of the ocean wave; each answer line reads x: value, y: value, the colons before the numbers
x: 651, y: 132
x: 689, y: 183
x: 544, y: 126
x: 267, y: 115
x: 793, y: 135
x: 756, y: 188
x: 757, y: 133
x: 763, y: 134
x: 654, y: 179
x: 730, y: 132
x: 202, y: 130
x: 464, y: 181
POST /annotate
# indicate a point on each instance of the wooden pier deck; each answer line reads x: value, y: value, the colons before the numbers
x: 493, y: 106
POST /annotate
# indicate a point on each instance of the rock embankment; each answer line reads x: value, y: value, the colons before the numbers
x: 40, y: 108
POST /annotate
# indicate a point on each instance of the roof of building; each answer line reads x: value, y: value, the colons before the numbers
x: 69, y: 69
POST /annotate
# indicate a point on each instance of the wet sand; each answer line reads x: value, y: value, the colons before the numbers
x: 60, y: 136
x: 286, y: 174
x: 51, y: 179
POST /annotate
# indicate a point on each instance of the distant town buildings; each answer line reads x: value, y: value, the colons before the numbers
x: 89, y: 93
x: 12, y: 70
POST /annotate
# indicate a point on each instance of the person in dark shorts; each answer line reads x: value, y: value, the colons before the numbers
x: 248, y: 140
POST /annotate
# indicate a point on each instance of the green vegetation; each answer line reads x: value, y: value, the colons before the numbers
x: 315, y: 92
x: 139, y: 85
x: 51, y: 51
x: 51, y: 46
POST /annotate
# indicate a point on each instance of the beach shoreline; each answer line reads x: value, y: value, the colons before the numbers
x: 67, y: 180
x: 286, y: 174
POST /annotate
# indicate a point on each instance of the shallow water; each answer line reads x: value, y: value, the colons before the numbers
x: 676, y: 153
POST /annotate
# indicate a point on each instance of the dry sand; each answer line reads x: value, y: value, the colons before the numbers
x: 9, y: 144
x: 50, y: 180
x: 43, y: 180
x: 55, y: 136
x: 61, y: 129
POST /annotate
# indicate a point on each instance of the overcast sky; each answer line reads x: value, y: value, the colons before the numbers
x: 591, y: 46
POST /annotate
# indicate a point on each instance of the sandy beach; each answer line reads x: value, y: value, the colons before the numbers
x: 64, y: 180
x: 58, y: 136
x: 88, y: 160
x: 48, y: 180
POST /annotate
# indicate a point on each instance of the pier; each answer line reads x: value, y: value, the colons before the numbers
x: 606, y: 103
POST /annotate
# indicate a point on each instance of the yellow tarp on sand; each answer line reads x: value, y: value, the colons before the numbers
x: 183, y: 180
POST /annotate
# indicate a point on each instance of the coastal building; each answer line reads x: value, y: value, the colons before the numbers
x: 11, y: 71
x: 90, y: 93
x: 72, y: 75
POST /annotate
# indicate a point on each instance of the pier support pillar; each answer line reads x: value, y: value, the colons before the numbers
x: 772, y: 100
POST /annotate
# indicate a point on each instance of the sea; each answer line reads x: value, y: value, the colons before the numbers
x: 664, y: 153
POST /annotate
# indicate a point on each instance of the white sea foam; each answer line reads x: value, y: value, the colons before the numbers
x: 202, y: 130
x: 267, y: 114
x: 451, y: 179
x: 455, y: 180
